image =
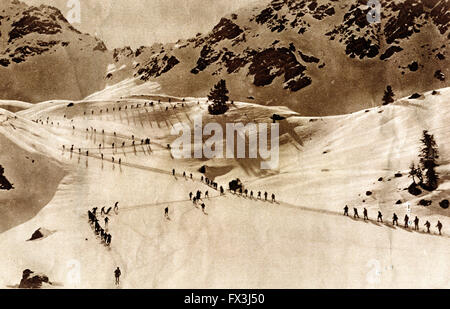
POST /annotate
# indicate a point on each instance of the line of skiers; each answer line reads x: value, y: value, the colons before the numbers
x: 102, y: 156
x: 250, y: 194
x: 104, y: 235
x: 93, y: 220
x: 210, y: 183
x: 145, y: 141
x: 215, y: 186
x: 132, y: 106
x: 406, y: 219
x: 119, y: 108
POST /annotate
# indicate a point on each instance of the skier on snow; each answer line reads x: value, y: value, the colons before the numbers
x: 355, y: 213
x: 117, y: 274
x: 439, y: 226
x: 394, y: 220
x: 380, y: 217
x: 427, y: 224
x: 416, y: 223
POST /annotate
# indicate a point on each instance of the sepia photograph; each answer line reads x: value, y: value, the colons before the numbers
x: 224, y: 144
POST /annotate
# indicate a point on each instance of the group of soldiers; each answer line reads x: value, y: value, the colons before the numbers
x: 98, y: 229
x: 215, y: 186
x: 250, y: 194
x: 197, y: 198
x: 210, y: 183
x: 406, y: 219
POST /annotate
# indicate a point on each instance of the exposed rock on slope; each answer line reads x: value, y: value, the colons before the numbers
x: 4, y: 182
x: 316, y: 56
x: 44, y: 57
x: 30, y: 281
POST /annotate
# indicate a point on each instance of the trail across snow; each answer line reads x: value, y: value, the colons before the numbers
x: 301, y: 240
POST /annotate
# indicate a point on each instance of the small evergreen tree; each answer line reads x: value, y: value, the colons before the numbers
x: 388, y: 95
x: 419, y: 175
x: 412, y: 172
x: 219, y: 96
x: 428, y: 156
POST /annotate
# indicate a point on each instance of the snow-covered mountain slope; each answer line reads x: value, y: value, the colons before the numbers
x: 42, y: 56
x: 318, y: 57
x: 302, y: 240
x: 27, y: 160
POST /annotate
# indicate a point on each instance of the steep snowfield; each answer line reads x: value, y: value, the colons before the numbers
x: 302, y: 240
x: 126, y: 87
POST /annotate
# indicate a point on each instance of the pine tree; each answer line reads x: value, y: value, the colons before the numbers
x: 428, y: 155
x: 388, y: 95
x: 218, y: 95
x: 412, y: 172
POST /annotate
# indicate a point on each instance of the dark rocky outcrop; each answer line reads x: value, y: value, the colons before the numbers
x: 30, y: 281
x: 413, y: 66
x: 224, y: 30
x: 276, y: 117
x: 208, y: 55
x: 4, y: 182
x: 157, y: 66
x: 40, y: 37
x: 271, y: 63
x: 4, y: 62
x: 439, y: 75
x: 309, y: 59
x: 390, y: 51
x: 125, y: 52
x: 43, y: 20
x: 415, y: 96
x: 100, y: 47
x: 40, y: 233
x: 36, y: 235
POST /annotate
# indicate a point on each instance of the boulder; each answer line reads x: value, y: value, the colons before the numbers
x: 30, y: 281
x: 40, y: 233
x: 415, y: 96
